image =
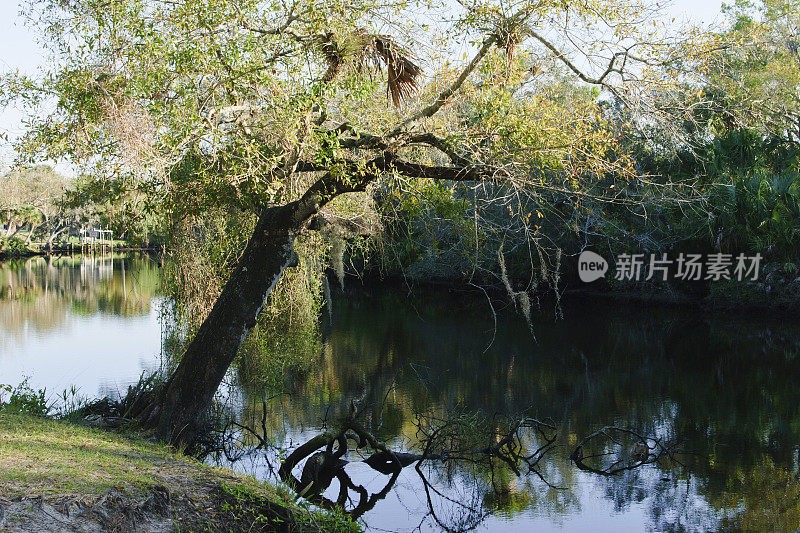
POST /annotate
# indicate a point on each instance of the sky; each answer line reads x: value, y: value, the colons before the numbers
x: 19, y: 51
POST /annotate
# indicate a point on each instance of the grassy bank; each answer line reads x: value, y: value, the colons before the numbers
x: 56, y: 476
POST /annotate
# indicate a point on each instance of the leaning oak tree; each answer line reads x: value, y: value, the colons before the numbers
x: 278, y: 108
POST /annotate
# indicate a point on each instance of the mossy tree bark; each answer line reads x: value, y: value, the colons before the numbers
x: 189, y: 391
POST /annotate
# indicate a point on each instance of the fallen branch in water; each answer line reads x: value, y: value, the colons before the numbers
x: 645, y: 450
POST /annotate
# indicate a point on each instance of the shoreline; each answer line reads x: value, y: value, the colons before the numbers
x: 65, y: 251
x: 770, y: 295
x: 745, y: 298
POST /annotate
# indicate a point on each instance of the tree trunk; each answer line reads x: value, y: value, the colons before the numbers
x: 12, y: 228
x: 30, y: 234
x: 52, y: 237
x: 188, y: 393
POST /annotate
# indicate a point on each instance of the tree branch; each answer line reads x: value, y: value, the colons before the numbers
x: 445, y: 95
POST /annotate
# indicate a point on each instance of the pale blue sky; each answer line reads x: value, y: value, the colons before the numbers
x: 18, y: 49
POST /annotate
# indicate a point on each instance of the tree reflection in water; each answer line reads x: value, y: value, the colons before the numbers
x: 478, y: 448
x: 723, y: 387
x: 40, y: 290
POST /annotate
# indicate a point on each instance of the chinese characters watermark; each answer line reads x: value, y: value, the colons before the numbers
x: 687, y: 267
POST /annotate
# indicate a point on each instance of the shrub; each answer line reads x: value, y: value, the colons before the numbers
x: 12, y: 246
x: 22, y: 399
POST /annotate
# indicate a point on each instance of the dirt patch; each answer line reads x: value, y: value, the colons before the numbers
x: 113, y: 511
x: 210, y: 507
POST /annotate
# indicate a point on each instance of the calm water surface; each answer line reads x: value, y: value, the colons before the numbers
x: 91, y: 322
x: 723, y: 389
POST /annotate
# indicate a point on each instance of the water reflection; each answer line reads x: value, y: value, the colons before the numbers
x: 88, y: 321
x: 725, y: 388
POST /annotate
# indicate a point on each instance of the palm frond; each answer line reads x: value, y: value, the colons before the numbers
x: 362, y: 49
x: 403, y: 73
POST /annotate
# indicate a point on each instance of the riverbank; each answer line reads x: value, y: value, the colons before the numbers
x: 776, y: 292
x: 57, y: 251
x: 57, y: 476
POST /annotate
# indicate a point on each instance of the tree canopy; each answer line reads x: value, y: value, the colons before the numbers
x: 206, y: 102
x: 279, y: 109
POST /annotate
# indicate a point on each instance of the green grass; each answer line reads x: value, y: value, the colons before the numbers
x: 44, y: 456
x: 54, y: 458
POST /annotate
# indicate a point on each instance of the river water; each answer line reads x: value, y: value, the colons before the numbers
x: 716, y: 396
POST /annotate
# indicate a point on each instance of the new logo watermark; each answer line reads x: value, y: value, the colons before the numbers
x: 591, y: 266
x: 687, y: 267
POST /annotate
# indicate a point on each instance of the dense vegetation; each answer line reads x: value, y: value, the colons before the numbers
x: 259, y: 137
